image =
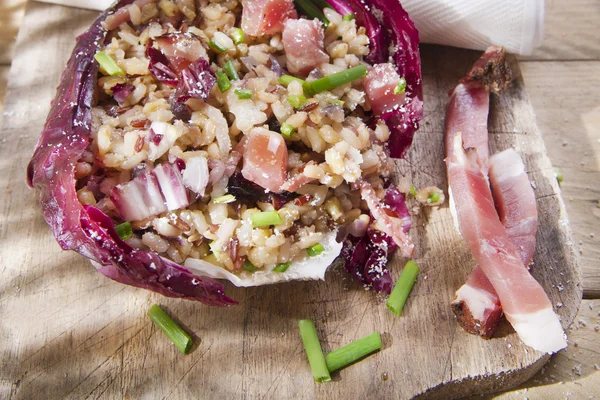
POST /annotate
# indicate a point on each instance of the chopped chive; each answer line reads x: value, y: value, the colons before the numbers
x: 226, y: 198
x: 322, y: 4
x: 282, y: 267
x: 214, y: 250
x: 433, y: 197
x: 558, y: 174
x: 286, y: 130
x: 178, y: 336
x: 238, y: 35
x: 244, y: 94
x: 265, y: 218
x: 124, y: 230
x: 352, y: 352
x: 108, y: 64
x: 314, y: 353
x: 403, y: 287
x: 401, y: 87
x: 223, y: 81
x: 338, y: 79
x: 315, y: 249
x: 413, y: 191
x: 310, y: 10
x: 215, y: 45
x: 248, y: 266
x: 297, y: 100
x: 287, y: 79
x: 231, y: 71
x: 348, y: 17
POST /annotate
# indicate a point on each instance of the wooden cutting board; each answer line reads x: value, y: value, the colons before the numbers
x: 68, y: 332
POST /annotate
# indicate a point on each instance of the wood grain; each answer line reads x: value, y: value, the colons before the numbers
x: 68, y: 332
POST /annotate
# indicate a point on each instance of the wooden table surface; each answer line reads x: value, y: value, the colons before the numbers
x: 562, y: 79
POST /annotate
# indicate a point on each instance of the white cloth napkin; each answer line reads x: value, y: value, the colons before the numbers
x: 518, y: 25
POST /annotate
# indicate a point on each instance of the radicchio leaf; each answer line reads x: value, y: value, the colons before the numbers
x: 121, y: 91
x: 159, y: 66
x: 196, y: 81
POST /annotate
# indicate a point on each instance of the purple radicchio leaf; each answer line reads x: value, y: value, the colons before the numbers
x: 121, y: 91
x: 197, y: 81
x: 87, y: 230
x: 159, y: 66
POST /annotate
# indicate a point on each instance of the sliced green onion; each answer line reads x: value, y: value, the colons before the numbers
x: 238, y: 35
x: 403, y: 287
x: 248, y: 266
x: 244, y: 94
x: 348, y: 17
x: 297, y: 100
x: 124, y: 230
x: 558, y: 174
x: 401, y: 87
x: 286, y: 130
x: 413, y: 191
x: 312, y: 346
x: 223, y: 81
x: 215, y: 45
x: 338, y: 79
x: 310, y: 10
x: 322, y: 4
x: 287, y: 79
x: 265, y: 218
x: 226, y: 198
x: 109, y: 64
x: 433, y: 197
x: 315, y: 249
x: 214, y: 250
x: 352, y: 352
x: 282, y: 267
x: 231, y: 71
x: 178, y: 336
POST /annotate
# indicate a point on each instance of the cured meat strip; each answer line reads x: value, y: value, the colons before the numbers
x: 476, y: 304
x: 525, y: 304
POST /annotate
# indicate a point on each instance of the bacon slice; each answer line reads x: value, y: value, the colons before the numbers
x: 525, y: 304
x: 266, y: 17
x: 303, y: 43
x: 265, y: 159
x: 476, y: 304
x: 122, y: 15
x: 380, y: 82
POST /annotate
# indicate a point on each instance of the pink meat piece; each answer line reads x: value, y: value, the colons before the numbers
x: 181, y: 49
x: 122, y: 15
x: 379, y: 83
x: 303, y: 43
x: 266, y: 17
x: 525, y: 304
x: 476, y: 303
x: 265, y: 159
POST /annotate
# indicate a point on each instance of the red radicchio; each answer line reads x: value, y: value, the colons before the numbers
x: 196, y: 81
x: 87, y: 230
x: 159, y: 66
x: 121, y: 91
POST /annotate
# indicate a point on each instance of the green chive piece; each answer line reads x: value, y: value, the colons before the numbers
x: 558, y: 174
x: 286, y: 130
x: 223, y: 81
x: 312, y: 346
x: 238, y: 35
x: 315, y: 249
x: 265, y: 218
x: 352, y: 352
x: 109, y: 64
x: 282, y: 267
x: 225, y: 199
x: 348, y: 17
x: 244, y: 94
x: 338, y: 79
x: 124, y: 230
x: 248, y: 266
x: 433, y: 197
x: 403, y: 287
x: 297, y: 100
x: 218, y: 47
x: 413, y: 191
x: 322, y: 4
x: 178, y: 336
x: 310, y: 10
x: 401, y: 86
x: 287, y: 79
x: 231, y: 71
x: 214, y: 250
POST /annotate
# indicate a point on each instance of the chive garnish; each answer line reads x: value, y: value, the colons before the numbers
x: 348, y: 17
x: 231, y: 71
x: 238, y: 35
x: 265, y: 218
x: 286, y: 130
x: 338, y: 79
x: 315, y: 249
x: 352, y: 352
x: 401, y: 87
x: 558, y: 174
x: 248, y: 266
x: 225, y: 199
x: 124, y: 230
x: 413, y: 191
x: 287, y: 79
x: 314, y: 353
x: 297, y: 100
x: 215, y: 45
x: 243, y: 94
x: 178, y: 336
x: 433, y: 197
x: 403, y: 287
x: 282, y: 267
x: 109, y: 64
x: 310, y: 10
x: 223, y: 81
